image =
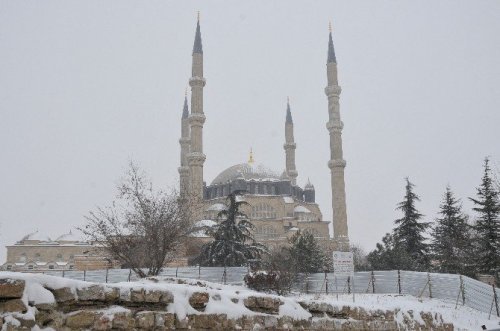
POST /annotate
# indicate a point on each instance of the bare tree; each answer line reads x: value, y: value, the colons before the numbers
x: 143, y: 229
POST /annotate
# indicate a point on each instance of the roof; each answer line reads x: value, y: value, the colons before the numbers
x: 69, y: 237
x: 36, y: 236
x: 301, y: 209
x: 246, y: 171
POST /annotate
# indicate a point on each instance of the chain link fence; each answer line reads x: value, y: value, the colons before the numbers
x: 458, y: 289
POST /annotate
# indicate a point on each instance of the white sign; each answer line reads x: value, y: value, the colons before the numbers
x: 343, y: 263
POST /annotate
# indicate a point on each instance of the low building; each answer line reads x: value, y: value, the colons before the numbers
x: 37, y: 252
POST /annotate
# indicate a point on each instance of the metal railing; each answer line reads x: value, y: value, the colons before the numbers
x: 460, y: 290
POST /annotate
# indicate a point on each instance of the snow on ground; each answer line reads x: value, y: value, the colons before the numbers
x: 463, y: 318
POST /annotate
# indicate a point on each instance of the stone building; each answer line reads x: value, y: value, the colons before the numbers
x: 36, y: 252
x: 277, y: 205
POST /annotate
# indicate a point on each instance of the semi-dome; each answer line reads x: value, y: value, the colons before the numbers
x: 246, y: 171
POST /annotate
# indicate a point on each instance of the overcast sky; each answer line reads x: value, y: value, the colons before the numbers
x: 86, y: 86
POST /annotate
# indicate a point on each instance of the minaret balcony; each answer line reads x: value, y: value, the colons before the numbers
x: 333, y: 90
x: 289, y: 146
x: 332, y: 164
x: 196, y: 119
x: 197, y: 81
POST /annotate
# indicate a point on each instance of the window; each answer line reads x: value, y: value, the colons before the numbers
x: 266, y: 231
x: 59, y: 256
x: 51, y: 266
x: 263, y: 210
x: 9, y: 267
x: 71, y: 267
x: 30, y: 267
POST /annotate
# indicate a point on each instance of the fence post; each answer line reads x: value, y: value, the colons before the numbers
x: 326, y: 282
x: 199, y: 271
x: 462, y: 288
x: 107, y: 270
x: 399, y: 281
x: 496, y: 299
x: 430, y: 284
x: 176, y: 270
x: 224, y: 275
x: 373, y: 282
x: 63, y: 273
x: 84, y: 275
x: 348, y: 284
x: 129, y: 274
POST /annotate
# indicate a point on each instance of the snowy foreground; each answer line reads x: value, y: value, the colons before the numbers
x: 39, y: 290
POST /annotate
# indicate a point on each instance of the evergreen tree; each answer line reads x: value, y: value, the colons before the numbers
x: 487, y: 225
x: 233, y: 243
x: 307, y: 255
x: 451, y: 237
x: 409, y: 234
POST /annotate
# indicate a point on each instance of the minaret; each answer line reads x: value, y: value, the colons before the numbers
x: 196, y: 119
x: 337, y: 162
x: 184, y: 142
x: 290, y: 146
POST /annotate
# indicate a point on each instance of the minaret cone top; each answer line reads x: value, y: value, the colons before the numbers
x: 185, y: 110
x: 197, y: 48
x: 288, y: 113
x: 331, y: 50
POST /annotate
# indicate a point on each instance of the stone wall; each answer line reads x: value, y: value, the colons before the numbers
x: 72, y: 305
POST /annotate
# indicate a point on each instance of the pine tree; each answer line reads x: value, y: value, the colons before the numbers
x: 409, y: 234
x: 307, y: 255
x: 233, y: 244
x: 451, y: 237
x: 487, y: 225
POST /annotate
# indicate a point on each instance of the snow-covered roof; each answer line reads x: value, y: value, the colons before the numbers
x: 41, y: 263
x: 217, y: 207
x: 288, y: 199
x: 201, y: 223
x: 36, y: 236
x: 69, y: 237
x: 301, y: 209
x: 294, y: 229
x: 61, y: 263
x: 246, y: 171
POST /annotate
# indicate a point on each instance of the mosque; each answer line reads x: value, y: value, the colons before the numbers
x: 277, y: 206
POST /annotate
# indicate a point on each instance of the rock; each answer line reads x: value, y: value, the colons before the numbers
x: 153, y: 296
x: 166, y: 297
x: 168, y: 320
x: 13, y: 306
x: 199, y: 300
x: 63, y: 294
x: 137, y: 295
x: 91, y: 293
x: 46, y: 306
x: 104, y: 322
x: 266, y: 305
x: 1, y: 322
x: 235, y: 300
x: 26, y: 322
x: 123, y: 321
x: 11, y: 288
x: 82, y: 319
x: 111, y: 294
x: 216, y: 297
x: 51, y: 319
x: 207, y: 321
x: 145, y: 320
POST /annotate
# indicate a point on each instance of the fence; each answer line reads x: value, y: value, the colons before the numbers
x: 458, y: 289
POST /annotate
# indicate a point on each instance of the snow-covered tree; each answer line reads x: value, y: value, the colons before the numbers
x: 307, y: 255
x: 144, y: 228
x: 409, y: 233
x: 487, y: 227
x: 233, y: 244
x: 451, y: 237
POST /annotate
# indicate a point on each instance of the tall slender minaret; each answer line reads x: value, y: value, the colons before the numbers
x: 337, y: 162
x: 184, y: 142
x: 290, y: 146
x: 196, y: 158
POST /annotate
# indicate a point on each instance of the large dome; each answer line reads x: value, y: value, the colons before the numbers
x: 247, y: 171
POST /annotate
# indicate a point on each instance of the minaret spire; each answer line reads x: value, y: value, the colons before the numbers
x: 337, y: 162
x: 290, y: 146
x: 184, y: 142
x: 196, y: 158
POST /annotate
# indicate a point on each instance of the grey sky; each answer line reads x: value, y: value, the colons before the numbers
x: 87, y: 85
